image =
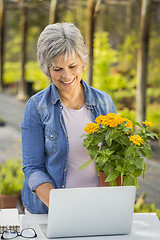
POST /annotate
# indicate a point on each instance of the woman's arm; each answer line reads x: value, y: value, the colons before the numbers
x: 43, y: 192
x: 33, y: 151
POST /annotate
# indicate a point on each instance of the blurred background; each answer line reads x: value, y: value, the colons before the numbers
x: 123, y: 42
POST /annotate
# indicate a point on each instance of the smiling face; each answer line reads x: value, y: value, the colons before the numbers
x: 66, y: 73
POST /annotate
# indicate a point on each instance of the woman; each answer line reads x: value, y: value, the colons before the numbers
x: 54, y: 119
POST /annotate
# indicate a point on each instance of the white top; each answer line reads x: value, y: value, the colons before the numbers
x: 75, y: 121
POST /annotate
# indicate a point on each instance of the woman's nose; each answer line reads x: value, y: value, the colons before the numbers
x: 65, y: 73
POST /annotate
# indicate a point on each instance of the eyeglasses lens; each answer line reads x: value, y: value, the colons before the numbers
x: 28, y: 233
x: 8, y: 234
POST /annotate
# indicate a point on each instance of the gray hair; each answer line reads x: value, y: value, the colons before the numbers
x: 59, y: 40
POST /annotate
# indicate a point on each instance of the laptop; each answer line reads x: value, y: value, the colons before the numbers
x: 96, y: 211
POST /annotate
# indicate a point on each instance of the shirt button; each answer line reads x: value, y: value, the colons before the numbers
x: 65, y: 169
x: 51, y: 136
x: 62, y: 186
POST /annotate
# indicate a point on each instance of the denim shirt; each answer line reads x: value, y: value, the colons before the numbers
x: 45, y: 143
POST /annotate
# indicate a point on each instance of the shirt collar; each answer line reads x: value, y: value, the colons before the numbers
x: 55, y: 96
x: 89, y: 99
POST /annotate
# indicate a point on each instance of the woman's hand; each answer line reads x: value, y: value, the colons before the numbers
x: 43, y: 192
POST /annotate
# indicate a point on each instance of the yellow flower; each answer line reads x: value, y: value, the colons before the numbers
x: 112, y: 120
x: 148, y: 123
x: 136, y: 139
x: 100, y: 119
x: 128, y: 124
x: 91, y: 128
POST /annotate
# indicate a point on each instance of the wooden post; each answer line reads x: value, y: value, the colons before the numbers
x: 92, y: 7
x: 22, y: 84
x: 142, y: 60
x: 2, y: 10
x: 52, y: 12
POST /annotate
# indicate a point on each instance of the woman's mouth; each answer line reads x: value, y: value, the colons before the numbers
x: 68, y: 82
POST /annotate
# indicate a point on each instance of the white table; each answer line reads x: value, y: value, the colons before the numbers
x: 145, y: 226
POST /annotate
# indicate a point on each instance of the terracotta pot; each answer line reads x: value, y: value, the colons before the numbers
x: 8, y: 201
x: 107, y: 184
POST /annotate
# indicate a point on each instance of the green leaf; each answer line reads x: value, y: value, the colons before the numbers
x: 129, y: 181
x: 112, y: 176
x: 86, y: 164
x: 131, y: 150
x: 97, y: 139
x: 144, y: 170
x: 87, y: 142
x: 93, y: 151
x: 106, y: 168
x: 115, y: 133
x: 139, y: 163
x: 131, y: 168
x: 146, y: 150
x: 137, y: 172
x: 119, y: 168
x: 108, y: 138
x: 153, y: 135
x: 101, y: 160
x: 123, y: 140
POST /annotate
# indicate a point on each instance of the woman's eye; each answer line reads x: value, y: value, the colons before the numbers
x: 57, y: 69
x: 73, y: 66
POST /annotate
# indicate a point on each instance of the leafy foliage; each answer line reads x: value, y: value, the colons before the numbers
x: 105, y: 58
x: 9, y: 69
x: 147, y: 208
x: 115, y: 73
x: 11, y: 176
x: 32, y: 74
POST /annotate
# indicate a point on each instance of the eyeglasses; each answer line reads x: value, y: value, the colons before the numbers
x: 26, y: 233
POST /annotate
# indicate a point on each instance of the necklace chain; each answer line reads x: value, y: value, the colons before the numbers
x: 73, y: 107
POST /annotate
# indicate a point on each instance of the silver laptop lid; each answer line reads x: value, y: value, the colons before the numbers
x: 92, y: 211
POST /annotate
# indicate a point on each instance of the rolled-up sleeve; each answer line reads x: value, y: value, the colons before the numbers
x: 33, y: 147
x: 37, y: 178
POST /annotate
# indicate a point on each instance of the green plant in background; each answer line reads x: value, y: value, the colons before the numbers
x: 32, y: 74
x: 114, y: 71
x: 148, y: 209
x: 35, y: 75
x: 153, y: 73
x: 11, y: 177
x: 11, y: 72
x: 127, y: 58
x: 126, y: 113
x: 153, y: 78
x: 153, y: 114
x: 104, y: 76
x: 13, y: 45
x: 141, y: 207
x: 124, y: 98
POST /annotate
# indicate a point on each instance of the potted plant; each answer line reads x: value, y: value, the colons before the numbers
x: 11, y: 182
x: 118, y: 146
